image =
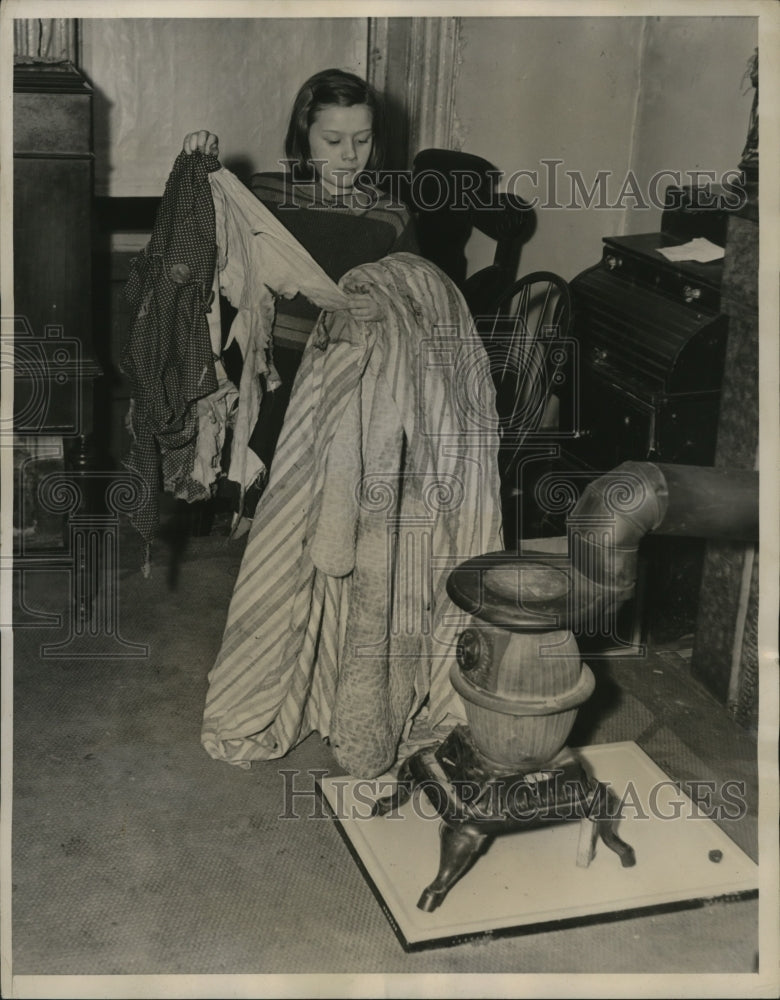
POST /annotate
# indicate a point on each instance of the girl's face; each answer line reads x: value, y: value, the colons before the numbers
x: 341, y: 138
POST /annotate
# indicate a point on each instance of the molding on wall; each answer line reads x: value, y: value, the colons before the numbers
x: 46, y: 39
x: 434, y: 54
x: 460, y: 132
x: 636, y: 113
x: 414, y: 62
x: 378, y: 28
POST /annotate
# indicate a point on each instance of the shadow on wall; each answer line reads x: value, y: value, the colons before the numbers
x: 398, y: 156
x: 241, y: 166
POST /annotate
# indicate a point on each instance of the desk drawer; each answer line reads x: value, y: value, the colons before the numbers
x: 615, y: 426
x: 681, y: 289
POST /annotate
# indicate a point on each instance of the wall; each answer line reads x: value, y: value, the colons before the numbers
x: 599, y: 94
x: 156, y: 79
x: 695, y: 100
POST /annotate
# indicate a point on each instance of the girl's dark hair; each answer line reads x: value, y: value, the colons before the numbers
x: 332, y: 86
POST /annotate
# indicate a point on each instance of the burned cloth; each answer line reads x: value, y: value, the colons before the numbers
x: 384, y: 479
x: 208, y: 223
x: 258, y: 263
x: 168, y: 356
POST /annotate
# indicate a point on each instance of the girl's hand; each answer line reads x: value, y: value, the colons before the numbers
x: 201, y: 142
x: 364, y: 308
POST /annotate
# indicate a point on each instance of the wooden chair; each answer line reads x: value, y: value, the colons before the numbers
x: 450, y: 195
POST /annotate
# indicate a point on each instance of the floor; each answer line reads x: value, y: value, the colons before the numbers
x: 135, y: 854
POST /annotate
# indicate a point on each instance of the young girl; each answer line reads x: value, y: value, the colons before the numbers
x: 325, y: 198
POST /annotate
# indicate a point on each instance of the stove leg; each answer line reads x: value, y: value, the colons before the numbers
x: 460, y: 846
x: 606, y: 824
x: 600, y: 822
x: 624, y: 851
x: 402, y: 793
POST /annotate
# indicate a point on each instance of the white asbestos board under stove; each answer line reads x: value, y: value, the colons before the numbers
x: 530, y: 878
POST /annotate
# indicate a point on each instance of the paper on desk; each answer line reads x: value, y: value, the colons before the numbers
x: 701, y: 250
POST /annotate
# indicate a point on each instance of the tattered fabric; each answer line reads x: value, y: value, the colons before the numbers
x: 258, y: 260
x: 208, y: 223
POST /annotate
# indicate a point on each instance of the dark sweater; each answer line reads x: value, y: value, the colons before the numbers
x: 339, y: 234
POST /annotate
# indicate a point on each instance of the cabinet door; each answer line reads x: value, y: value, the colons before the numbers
x: 53, y: 178
x: 54, y: 366
x: 52, y: 256
x: 613, y: 427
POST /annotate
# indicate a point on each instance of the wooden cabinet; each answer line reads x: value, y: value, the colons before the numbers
x: 669, y: 372
x: 652, y: 340
x: 54, y: 363
x: 651, y: 337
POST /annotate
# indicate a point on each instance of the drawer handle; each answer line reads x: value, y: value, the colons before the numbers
x: 613, y: 262
x: 691, y: 294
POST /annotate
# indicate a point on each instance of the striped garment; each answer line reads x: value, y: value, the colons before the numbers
x: 384, y: 479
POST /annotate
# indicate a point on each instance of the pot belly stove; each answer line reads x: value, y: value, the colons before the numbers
x: 518, y: 668
x: 521, y: 680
